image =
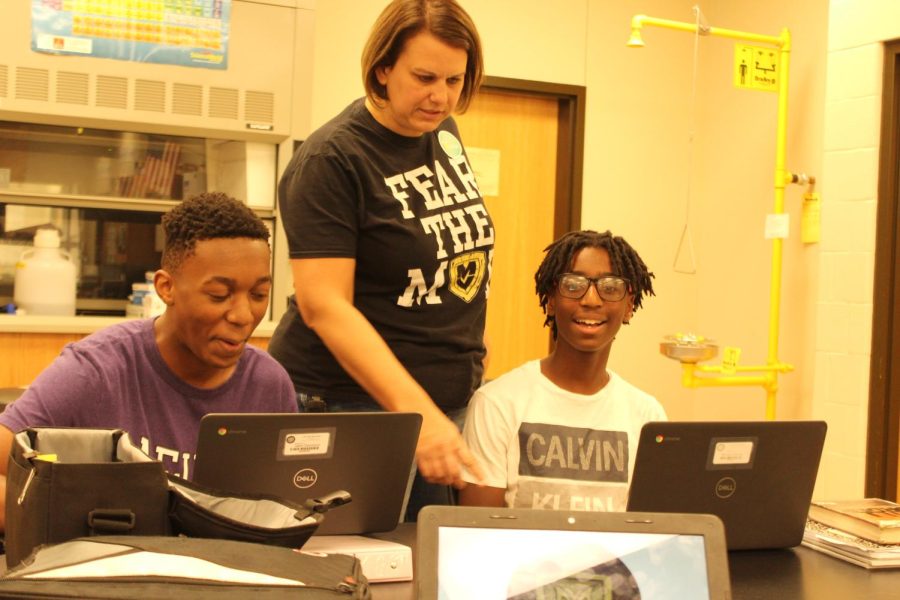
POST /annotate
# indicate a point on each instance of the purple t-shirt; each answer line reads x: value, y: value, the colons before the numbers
x: 116, y: 378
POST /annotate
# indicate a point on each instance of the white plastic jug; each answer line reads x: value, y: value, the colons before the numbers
x: 45, y: 277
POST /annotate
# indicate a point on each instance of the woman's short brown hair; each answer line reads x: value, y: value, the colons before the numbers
x: 401, y: 20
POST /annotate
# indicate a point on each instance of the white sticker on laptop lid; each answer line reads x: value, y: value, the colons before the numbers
x: 732, y: 453
x: 306, y: 443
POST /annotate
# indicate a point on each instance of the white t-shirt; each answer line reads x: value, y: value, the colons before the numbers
x: 554, y: 449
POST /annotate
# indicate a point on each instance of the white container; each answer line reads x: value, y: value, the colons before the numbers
x: 135, y: 307
x: 153, y: 305
x: 46, y: 278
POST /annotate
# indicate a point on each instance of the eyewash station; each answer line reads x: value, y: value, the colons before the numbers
x: 762, y: 62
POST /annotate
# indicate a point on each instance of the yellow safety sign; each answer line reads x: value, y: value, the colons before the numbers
x: 755, y: 68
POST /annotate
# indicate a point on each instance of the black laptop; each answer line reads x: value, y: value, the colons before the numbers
x: 308, y: 455
x: 757, y: 476
x: 525, y: 554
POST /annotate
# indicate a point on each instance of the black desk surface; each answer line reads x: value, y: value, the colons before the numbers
x: 793, y: 574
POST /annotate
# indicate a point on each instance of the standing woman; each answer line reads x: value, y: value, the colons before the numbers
x: 391, y: 243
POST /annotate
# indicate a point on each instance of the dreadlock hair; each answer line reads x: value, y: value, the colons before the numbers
x: 560, y: 255
x: 206, y: 216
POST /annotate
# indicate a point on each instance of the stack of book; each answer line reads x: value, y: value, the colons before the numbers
x: 863, y: 532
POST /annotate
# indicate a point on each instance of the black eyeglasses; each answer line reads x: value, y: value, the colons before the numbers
x: 609, y: 287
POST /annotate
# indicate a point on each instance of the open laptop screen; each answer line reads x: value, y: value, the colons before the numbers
x: 467, y: 553
x: 526, y: 564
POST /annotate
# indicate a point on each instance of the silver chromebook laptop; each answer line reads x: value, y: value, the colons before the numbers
x: 757, y: 476
x: 477, y: 552
x: 308, y: 455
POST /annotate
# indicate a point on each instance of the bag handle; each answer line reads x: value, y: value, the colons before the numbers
x: 102, y: 521
x: 325, y: 503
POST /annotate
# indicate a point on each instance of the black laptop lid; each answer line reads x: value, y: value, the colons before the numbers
x: 757, y: 476
x: 308, y: 455
x: 476, y: 552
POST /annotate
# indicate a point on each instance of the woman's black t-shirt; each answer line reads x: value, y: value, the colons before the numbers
x: 409, y: 211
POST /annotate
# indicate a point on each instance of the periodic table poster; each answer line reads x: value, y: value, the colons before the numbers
x: 192, y: 33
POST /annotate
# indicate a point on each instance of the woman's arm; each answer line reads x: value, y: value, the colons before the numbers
x: 324, y: 291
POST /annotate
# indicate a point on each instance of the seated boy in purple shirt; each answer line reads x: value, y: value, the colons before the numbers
x: 156, y: 378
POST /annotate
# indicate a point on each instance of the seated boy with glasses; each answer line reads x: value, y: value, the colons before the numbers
x: 561, y: 433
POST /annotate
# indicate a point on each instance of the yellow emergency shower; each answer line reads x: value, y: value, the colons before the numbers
x: 692, y: 349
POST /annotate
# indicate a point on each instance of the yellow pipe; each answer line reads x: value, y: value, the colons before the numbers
x: 780, y: 178
x: 639, y: 21
x: 769, y: 380
x: 690, y: 371
x: 779, y: 367
x: 728, y: 381
x: 769, y: 383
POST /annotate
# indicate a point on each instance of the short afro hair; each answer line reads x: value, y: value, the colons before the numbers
x: 207, y: 216
x: 624, y: 260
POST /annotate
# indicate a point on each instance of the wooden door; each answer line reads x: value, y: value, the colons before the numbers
x: 883, y: 435
x: 523, y: 129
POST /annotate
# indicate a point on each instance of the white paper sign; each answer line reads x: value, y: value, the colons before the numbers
x: 486, y: 164
x: 777, y: 226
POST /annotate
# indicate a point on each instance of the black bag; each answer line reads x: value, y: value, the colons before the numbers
x: 181, y: 568
x: 66, y: 483
x: 198, y: 511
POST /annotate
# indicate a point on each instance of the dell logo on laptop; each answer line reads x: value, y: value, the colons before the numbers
x: 305, y: 478
x: 725, y: 487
